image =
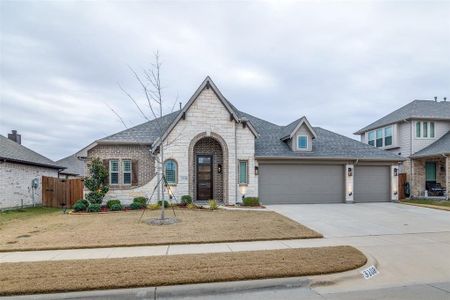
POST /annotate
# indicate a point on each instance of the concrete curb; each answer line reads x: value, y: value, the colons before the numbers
x: 330, y: 279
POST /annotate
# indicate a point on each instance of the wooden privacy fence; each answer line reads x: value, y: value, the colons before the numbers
x: 57, y: 192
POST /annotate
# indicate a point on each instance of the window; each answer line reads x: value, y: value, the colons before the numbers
x: 114, y: 171
x: 388, y: 136
x: 170, y: 171
x: 425, y: 129
x: 302, y: 142
x: 371, y: 138
x: 243, y: 172
x: 379, y: 142
x: 126, y: 167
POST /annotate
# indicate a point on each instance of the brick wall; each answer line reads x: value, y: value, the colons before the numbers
x: 15, y: 184
x: 145, y: 163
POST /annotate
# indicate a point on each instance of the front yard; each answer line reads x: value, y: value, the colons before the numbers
x: 61, y: 276
x: 50, y: 229
x: 430, y: 203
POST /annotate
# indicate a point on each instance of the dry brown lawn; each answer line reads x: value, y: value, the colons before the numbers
x: 60, y: 276
x: 57, y: 231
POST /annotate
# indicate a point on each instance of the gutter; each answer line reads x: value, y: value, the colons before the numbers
x: 328, y: 158
x: 24, y: 162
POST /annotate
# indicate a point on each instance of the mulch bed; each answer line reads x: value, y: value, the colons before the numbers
x: 78, y: 275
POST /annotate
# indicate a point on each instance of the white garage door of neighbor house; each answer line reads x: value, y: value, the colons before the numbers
x: 301, y: 184
x: 372, y: 184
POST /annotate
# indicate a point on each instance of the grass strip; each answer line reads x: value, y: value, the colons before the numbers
x: 94, y: 274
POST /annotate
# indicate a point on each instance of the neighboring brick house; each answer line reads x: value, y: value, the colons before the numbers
x: 214, y: 151
x: 21, y: 171
x: 418, y: 131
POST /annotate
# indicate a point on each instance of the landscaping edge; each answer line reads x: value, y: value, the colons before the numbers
x: 446, y: 208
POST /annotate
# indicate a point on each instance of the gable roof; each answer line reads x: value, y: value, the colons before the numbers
x: 74, y: 165
x: 14, y: 152
x: 439, y: 147
x: 327, y: 145
x: 417, y: 109
x: 289, y: 130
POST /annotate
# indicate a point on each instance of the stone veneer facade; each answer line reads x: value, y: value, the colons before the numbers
x: 207, y: 117
x: 15, y: 184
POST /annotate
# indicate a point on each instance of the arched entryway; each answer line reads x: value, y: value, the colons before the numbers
x: 208, y: 167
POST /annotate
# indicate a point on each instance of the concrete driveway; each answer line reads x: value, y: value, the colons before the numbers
x: 411, y: 244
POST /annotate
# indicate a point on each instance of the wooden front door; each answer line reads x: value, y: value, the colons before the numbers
x: 204, y: 177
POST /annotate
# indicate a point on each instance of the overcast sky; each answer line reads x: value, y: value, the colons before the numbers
x: 342, y: 64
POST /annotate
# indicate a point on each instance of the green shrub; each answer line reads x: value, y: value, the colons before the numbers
x: 112, y: 202
x: 116, y: 207
x: 84, y: 201
x: 79, y: 206
x: 95, y: 197
x: 136, y: 205
x: 166, y: 203
x: 141, y: 200
x: 95, y: 182
x: 251, y: 201
x: 94, y: 208
x: 186, y: 199
x: 213, y: 204
x: 191, y: 206
x: 153, y: 206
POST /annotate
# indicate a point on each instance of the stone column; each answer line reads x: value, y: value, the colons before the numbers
x: 394, y: 183
x: 349, y: 174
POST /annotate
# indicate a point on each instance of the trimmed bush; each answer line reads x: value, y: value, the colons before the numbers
x: 136, y: 205
x: 95, y: 197
x: 166, y: 203
x: 186, y: 199
x: 251, y: 201
x: 141, y: 200
x: 116, y: 207
x: 153, y: 206
x: 112, y: 202
x: 191, y: 206
x: 213, y: 204
x: 94, y: 208
x: 79, y: 206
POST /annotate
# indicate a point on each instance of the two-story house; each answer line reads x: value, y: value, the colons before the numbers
x: 418, y: 131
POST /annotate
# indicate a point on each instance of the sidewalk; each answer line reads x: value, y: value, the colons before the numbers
x: 118, y: 252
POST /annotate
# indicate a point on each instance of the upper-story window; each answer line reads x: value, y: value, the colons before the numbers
x: 425, y: 129
x: 381, y: 137
x: 302, y: 142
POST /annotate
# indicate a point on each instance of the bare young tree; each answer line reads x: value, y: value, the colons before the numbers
x: 149, y: 81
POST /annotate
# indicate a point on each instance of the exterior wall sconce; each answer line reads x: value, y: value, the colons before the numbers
x: 219, y: 168
x: 256, y: 170
x: 395, y: 171
x: 349, y: 171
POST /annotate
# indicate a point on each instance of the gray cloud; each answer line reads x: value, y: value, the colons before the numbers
x: 342, y: 64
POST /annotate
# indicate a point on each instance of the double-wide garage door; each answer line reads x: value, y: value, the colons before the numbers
x: 314, y: 183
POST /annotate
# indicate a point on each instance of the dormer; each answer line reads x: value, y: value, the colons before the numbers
x: 299, y: 135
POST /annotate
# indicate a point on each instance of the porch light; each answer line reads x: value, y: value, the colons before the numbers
x: 243, y: 190
x: 395, y: 171
x: 219, y: 168
x: 256, y: 170
x: 349, y: 171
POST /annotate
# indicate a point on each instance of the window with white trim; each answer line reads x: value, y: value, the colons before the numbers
x: 381, y: 137
x: 388, y: 136
x: 114, y: 171
x: 371, y: 138
x: 126, y: 168
x: 302, y: 142
x: 243, y: 172
x: 425, y: 129
x: 379, y: 141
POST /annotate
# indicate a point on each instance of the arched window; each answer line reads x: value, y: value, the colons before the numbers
x: 170, y: 170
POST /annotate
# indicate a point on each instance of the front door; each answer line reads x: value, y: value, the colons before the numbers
x: 204, y: 177
x: 430, y: 172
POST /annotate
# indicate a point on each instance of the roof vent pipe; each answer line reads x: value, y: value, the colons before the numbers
x: 445, y: 99
x: 435, y: 99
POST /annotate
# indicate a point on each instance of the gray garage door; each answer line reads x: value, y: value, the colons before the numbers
x: 371, y: 183
x: 292, y: 184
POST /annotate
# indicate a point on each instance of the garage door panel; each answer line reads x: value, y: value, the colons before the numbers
x: 290, y: 184
x: 372, y: 184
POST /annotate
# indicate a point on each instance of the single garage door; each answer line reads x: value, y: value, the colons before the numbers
x: 372, y: 183
x: 298, y: 184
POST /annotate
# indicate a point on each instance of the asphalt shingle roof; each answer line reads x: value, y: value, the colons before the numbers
x: 12, y: 151
x: 145, y: 133
x: 441, y: 146
x: 416, y: 109
x: 74, y: 166
x: 327, y: 144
